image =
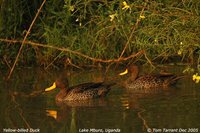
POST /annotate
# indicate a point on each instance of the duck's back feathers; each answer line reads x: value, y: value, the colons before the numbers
x: 87, y: 91
x: 152, y: 81
x: 85, y: 86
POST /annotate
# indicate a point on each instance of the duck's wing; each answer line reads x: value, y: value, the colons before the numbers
x: 165, y: 79
x: 157, y: 77
x: 148, y: 77
x: 86, y: 86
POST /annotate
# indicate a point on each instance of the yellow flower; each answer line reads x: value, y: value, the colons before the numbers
x: 71, y: 8
x: 125, y: 6
x: 112, y: 16
x: 196, y: 78
x: 179, y: 52
x: 142, y: 17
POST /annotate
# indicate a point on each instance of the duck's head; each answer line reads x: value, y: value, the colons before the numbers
x: 132, y: 69
x: 61, y: 83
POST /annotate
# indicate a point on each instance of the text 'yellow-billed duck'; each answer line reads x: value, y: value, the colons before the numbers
x: 83, y: 91
x: 147, y: 81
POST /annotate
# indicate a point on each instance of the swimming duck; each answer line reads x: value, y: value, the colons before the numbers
x: 147, y: 81
x: 83, y: 91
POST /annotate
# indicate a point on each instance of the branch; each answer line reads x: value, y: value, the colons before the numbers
x: 76, y: 52
x: 23, y: 42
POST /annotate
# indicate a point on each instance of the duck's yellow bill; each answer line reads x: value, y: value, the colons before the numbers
x: 123, y: 73
x: 52, y: 113
x: 51, y: 88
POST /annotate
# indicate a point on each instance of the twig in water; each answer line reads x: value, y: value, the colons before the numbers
x: 143, y: 120
x: 20, y: 111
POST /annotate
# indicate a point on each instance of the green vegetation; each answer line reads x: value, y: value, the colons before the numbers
x: 167, y: 30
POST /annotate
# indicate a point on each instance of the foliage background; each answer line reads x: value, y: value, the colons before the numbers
x: 167, y: 30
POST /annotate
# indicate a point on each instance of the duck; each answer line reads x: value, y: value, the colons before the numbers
x: 148, y: 81
x: 84, y: 91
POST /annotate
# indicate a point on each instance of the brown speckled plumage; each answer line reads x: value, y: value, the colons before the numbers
x: 83, y: 91
x: 148, y: 81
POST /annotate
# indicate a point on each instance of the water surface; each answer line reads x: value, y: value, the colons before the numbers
x: 121, y: 111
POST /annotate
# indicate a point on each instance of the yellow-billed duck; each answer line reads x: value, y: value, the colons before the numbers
x: 136, y: 82
x: 83, y: 91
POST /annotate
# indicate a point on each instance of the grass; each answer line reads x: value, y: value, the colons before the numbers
x: 165, y: 29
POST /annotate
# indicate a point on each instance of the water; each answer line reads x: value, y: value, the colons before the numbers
x: 174, y: 109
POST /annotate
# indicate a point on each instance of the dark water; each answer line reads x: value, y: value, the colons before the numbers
x: 174, y: 109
